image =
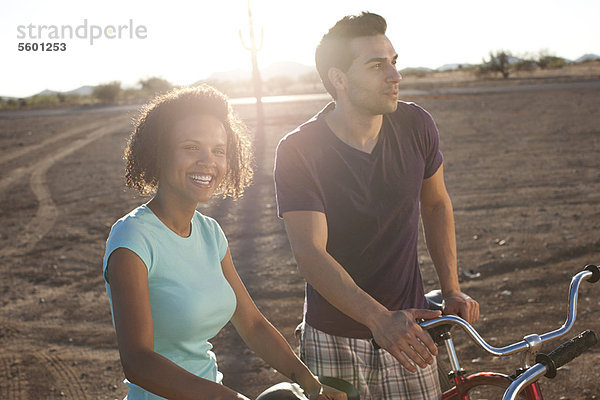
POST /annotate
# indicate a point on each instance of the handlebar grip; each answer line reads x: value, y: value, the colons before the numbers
x: 595, y: 273
x: 566, y: 352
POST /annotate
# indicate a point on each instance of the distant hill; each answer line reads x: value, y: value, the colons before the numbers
x: 233, y: 75
x: 46, y: 92
x: 452, y: 67
x: 417, y: 70
x: 82, y: 91
x: 588, y: 57
x: 285, y: 68
x: 513, y: 60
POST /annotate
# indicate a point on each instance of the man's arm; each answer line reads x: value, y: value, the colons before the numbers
x: 438, y: 224
x: 395, y: 331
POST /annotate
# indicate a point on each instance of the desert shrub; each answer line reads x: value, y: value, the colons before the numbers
x: 499, y: 62
x: 551, y: 62
x: 414, y: 73
x: 108, y: 92
x: 483, y: 69
x: 525, y: 65
x: 131, y: 96
x: 76, y: 98
x: 155, y: 85
x: 44, y: 100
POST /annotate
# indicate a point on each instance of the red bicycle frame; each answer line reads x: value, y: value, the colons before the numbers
x: 464, y: 385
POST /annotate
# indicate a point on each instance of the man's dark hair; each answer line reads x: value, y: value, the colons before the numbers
x: 334, y: 48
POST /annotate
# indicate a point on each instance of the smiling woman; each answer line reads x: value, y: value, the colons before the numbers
x: 167, y: 268
x: 145, y: 153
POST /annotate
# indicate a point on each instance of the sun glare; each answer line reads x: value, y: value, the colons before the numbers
x: 189, y: 41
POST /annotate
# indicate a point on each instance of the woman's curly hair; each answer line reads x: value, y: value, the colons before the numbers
x: 144, y: 154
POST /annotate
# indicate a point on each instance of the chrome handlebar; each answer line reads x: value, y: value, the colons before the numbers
x: 589, y: 273
x: 530, y: 343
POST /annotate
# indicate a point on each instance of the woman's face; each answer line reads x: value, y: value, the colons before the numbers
x: 196, y: 158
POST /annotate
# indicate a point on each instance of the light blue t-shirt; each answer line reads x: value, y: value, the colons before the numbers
x: 190, y: 298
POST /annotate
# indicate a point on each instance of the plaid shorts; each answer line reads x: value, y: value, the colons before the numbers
x: 375, y: 373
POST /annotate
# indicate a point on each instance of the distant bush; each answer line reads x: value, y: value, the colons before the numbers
x: 132, y: 96
x: 414, y: 73
x: 75, y: 98
x: 108, y: 92
x: 499, y: 62
x: 525, y: 65
x: 155, y: 85
x: 551, y: 62
x: 44, y: 100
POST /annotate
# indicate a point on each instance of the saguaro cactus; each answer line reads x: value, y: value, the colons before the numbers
x: 256, y: 78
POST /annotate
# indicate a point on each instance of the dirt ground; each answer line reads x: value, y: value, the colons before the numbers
x: 522, y: 168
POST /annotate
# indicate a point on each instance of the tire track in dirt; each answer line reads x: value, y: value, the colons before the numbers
x: 47, y: 211
x: 73, y: 132
x: 15, y: 388
x: 18, y: 173
x: 67, y: 382
x: 14, y: 176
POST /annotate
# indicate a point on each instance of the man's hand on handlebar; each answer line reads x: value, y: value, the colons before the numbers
x: 458, y: 303
x: 399, y: 333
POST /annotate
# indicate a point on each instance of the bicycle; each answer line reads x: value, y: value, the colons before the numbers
x: 525, y: 379
x: 535, y: 364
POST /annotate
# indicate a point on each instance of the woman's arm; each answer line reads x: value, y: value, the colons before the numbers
x: 128, y: 278
x: 264, y: 339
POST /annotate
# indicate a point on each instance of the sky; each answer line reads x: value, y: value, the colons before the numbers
x: 186, y: 41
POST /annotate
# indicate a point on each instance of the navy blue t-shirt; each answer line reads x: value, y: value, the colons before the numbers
x: 371, y: 202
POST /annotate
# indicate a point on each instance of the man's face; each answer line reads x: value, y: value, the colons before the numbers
x: 372, y: 79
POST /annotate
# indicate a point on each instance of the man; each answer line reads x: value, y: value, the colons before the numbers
x: 350, y: 184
